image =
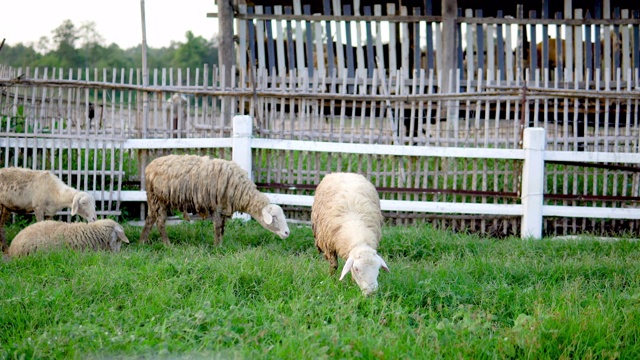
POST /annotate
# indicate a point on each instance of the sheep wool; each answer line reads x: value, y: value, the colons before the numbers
x: 347, y: 222
x: 104, y: 234
x: 205, y: 186
x: 41, y: 192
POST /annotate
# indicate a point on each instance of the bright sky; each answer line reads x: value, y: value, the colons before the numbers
x: 118, y: 21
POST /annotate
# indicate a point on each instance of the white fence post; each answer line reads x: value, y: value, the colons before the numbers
x: 242, y: 134
x: 532, y: 182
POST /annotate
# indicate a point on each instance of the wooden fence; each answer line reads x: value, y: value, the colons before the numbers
x: 343, y: 40
x: 386, y: 108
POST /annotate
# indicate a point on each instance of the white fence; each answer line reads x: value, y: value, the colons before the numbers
x: 533, y: 155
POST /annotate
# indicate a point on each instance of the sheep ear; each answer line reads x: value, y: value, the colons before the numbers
x: 121, y: 235
x: 383, y: 264
x: 346, y: 268
x: 266, y: 216
x: 75, y: 204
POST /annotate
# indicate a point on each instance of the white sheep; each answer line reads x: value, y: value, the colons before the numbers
x: 347, y: 221
x: 206, y: 186
x: 41, y: 192
x: 104, y: 234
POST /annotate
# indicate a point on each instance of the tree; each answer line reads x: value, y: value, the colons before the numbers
x: 194, y: 53
x: 64, y: 39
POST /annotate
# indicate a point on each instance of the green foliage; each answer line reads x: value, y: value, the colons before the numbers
x: 14, y: 123
x: 82, y: 47
x: 447, y: 296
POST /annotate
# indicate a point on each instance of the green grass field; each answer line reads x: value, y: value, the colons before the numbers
x: 448, y: 296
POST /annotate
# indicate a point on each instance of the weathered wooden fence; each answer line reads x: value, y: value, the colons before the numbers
x: 344, y: 39
x: 384, y: 110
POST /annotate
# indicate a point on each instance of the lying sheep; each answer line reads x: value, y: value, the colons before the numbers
x: 104, y: 234
x: 39, y: 191
x: 346, y: 221
x: 205, y: 186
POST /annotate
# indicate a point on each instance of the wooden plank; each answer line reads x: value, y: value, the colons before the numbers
x: 369, y: 39
x: 533, y: 44
x: 322, y: 69
x: 309, y: 40
x: 379, y: 59
x: 501, y: 48
x: 404, y: 44
x: 568, y: 42
x: 544, y: 56
x: 616, y: 41
x: 608, y: 66
x: 459, y: 48
x: 588, y: 49
x: 579, y: 69
x: 429, y: 35
x: 470, y: 47
x: 393, y: 66
x: 636, y: 45
x: 280, y: 42
x: 358, y: 43
x: 330, y: 44
x: 559, y: 51
x: 300, y: 61
x: 480, y: 43
x: 346, y: 9
x: 337, y: 9
x: 291, y: 58
x: 416, y: 44
x: 491, y: 51
x: 508, y: 45
x: 271, y: 55
x: 626, y: 40
x: 242, y: 38
x: 597, y: 42
x: 260, y: 41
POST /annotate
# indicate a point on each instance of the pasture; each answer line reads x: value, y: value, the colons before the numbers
x: 448, y: 295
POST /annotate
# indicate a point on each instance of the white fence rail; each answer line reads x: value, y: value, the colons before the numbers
x: 533, y: 155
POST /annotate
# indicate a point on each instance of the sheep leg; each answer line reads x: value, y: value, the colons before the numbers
x: 333, y: 261
x: 152, y: 215
x: 218, y: 222
x: 162, y: 220
x: 4, y: 216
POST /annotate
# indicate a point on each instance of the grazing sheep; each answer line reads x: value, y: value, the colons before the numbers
x: 39, y: 191
x: 346, y: 221
x: 206, y: 186
x: 104, y: 234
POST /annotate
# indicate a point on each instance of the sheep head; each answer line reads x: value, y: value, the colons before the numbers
x: 84, y: 205
x: 117, y: 236
x: 364, y: 265
x: 272, y: 218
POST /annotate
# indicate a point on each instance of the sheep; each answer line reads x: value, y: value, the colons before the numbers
x: 346, y: 221
x: 205, y: 186
x: 104, y: 234
x: 39, y: 191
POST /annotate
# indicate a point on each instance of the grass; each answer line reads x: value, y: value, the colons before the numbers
x: 258, y: 297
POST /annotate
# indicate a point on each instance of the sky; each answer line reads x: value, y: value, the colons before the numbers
x: 118, y: 21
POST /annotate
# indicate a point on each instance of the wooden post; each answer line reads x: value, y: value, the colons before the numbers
x: 532, y: 182
x: 225, y: 51
x: 449, y: 13
x: 142, y: 155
